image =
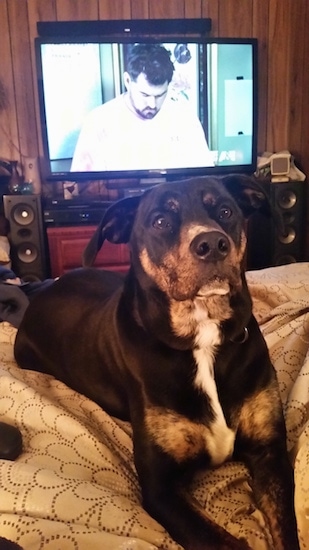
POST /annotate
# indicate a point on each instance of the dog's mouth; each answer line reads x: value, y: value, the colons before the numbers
x: 214, y: 298
x: 214, y: 288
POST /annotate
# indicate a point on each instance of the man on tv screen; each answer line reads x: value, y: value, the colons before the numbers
x: 147, y: 127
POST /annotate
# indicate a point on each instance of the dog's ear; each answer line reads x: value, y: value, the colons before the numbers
x: 252, y: 195
x: 249, y: 193
x: 115, y: 226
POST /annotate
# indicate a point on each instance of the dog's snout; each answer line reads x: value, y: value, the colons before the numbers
x: 212, y: 246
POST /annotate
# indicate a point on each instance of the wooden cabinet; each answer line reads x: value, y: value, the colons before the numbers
x: 66, y: 245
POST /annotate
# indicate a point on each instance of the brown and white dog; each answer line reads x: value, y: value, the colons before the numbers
x: 174, y: 347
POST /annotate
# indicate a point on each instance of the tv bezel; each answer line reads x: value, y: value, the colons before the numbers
x: 151, y: 175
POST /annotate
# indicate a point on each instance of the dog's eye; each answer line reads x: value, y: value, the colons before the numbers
x: 162, y: 223
x: 224, y: 213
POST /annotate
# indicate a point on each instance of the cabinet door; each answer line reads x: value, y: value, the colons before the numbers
x: 66, y: 245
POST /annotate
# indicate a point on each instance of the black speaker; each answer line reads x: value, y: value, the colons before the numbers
x: 124, y: 26
x: 270, y: 245
x: 27, y: 236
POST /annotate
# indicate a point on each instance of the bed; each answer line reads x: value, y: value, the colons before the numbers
x: 74, y: 487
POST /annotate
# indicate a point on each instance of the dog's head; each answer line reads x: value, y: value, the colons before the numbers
x: 187, y: 238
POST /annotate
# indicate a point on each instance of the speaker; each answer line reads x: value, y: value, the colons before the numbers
x: 124, y: 27
x: 27, y: 236
x: 268, y: 243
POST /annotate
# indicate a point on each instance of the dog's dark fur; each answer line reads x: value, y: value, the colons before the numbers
x: 175, y: 349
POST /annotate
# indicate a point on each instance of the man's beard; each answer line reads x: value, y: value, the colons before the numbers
x: 147, y: 113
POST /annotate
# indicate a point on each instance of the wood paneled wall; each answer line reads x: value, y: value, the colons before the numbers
x: 280, y: 26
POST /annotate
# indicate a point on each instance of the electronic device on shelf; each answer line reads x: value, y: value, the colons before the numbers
x: 61, y: 212
x: 215, y: 77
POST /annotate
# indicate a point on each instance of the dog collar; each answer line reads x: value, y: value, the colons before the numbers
x: 242, y: 338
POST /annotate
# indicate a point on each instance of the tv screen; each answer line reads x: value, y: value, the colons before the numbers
x: 142, y: 108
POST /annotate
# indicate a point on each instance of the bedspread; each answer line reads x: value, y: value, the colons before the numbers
x: 75, y: 487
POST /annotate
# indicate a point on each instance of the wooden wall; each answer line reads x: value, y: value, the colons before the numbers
x: 280, y: 26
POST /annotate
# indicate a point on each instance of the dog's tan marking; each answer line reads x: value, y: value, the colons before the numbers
x: 184, y: 315
x: 210, y: 198
x: 188, y: 315
x: 183, y: 322
x: 157, y: 273
x: 195, y: 229
x: 183, y: 439
x: 243, y: 245
x: 259, y: 413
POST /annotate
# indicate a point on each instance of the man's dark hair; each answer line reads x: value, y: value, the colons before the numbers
x: 153, y: 60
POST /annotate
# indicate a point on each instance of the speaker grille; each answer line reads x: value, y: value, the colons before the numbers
x: 286, y: 198
x: 23, y: 214
x: 27, y: 252
x: 27, y: 236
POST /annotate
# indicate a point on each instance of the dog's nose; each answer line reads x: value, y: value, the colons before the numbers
x: 212, y: 246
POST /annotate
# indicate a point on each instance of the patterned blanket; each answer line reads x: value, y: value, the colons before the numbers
x: 75, y: 487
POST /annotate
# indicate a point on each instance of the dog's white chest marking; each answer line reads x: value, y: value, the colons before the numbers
x: 220, y: 439
x: 176, y: 434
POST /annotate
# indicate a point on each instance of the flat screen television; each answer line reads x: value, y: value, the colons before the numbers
x: 212, y: 96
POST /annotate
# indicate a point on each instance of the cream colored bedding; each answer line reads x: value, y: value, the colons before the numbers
x: 75, y: 487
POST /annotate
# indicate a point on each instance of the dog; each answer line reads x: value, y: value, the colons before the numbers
x: 174, y: 348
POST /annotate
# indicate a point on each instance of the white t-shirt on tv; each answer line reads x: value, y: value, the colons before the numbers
x: 114, y: 138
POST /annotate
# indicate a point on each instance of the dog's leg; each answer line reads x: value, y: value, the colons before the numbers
x: 261, y: 443
x: 273, y: 487
x: 166, y: 500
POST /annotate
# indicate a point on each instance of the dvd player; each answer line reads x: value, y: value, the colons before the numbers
x: 61, y: 212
